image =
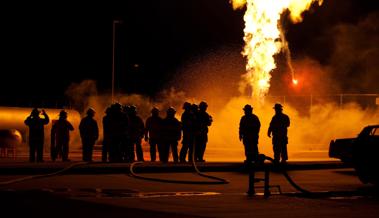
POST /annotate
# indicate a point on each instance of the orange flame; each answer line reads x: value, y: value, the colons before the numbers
x: 263, y: 38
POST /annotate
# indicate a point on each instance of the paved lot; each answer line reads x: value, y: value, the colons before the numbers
x: 336, y: 192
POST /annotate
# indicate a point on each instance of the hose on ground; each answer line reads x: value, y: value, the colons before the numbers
x: 289, y: 179
x: 14, y: 181
x: 216, y: 180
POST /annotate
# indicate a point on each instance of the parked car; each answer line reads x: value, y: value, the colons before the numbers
x: 361, y: 152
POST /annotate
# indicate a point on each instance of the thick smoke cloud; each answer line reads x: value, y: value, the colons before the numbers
x: 356, y: 54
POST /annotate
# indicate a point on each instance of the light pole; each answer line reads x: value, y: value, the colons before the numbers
x: 113, y: 54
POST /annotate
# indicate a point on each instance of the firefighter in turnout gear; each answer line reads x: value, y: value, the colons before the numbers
x: 136, y: 131
x: 36, y: 134
x: 152, y: 133
x: 89, y: 133
x: 249, y: 133
x: 278, y: 128
x: 188, y: 135
x: 60, y: 137
x: 171, y: 134
x: 204, y: 121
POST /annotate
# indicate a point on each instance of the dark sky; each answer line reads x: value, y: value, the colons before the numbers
x: 47, y: 47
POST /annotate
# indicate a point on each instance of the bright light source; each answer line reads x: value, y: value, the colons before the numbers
x: 263, y: 83
x: 295, y: 81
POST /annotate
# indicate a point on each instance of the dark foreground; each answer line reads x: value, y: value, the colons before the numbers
x: 335, y: 192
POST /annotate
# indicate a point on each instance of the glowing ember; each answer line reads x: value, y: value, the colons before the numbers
x: 295, y: 81
x: 263, y: 38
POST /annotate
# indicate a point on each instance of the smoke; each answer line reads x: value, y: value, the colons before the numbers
x: 317, y: 111
x: 355, y: 54
x: 80, y: 93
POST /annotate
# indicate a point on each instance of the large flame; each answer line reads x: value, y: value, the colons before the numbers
x: 263, y: 37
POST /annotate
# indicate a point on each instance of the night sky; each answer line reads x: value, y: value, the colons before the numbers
x: 47, y: 47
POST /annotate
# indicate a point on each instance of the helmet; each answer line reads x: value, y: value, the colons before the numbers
x: 90, y: 111
x: 248, y: 108
x: 171, y: 111
x: 203, y: 105
x: 63, y: 114
x: 187, y: 106
x: 35, y: 112
x: 116, y: 106
x: 132, y: 108
x: 194, y: 107
x: 278, y: 106
x: 154, y: 110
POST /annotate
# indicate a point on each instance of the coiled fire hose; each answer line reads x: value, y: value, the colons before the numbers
x: 216, y: 180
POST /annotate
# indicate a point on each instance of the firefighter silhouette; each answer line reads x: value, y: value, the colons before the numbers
x: 106, y: 135
x: 204, y: 121
x: 152, y: 132
x: 89, y: 133
x: 171, y: 134
x: 36, y: 134
x: 249, y: 133
x: 188, y: 138
x: 60, y: 137
x: 136, y: 131
x: 115, y: 127
x: 278, y: 128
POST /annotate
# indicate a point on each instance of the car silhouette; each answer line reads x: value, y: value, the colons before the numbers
x: 361, y: 152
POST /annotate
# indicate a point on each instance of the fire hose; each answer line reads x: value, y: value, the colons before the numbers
x: 13, y: 181
x: 289, y: 179
x: 216, y: 180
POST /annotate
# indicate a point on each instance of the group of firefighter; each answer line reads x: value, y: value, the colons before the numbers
x: 124, y: 130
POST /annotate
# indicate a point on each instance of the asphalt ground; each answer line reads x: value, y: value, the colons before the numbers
x: 107, y: 190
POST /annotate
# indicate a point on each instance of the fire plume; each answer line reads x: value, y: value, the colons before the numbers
x: 263, y: 37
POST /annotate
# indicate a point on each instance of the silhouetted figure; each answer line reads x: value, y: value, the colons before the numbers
x: 115, y: 124
x: 188, y: 138
x: 195, y: 132
x: 249, y: 133
x: 136, y: 131
x: 204, y: 120
x: 106, y: 135
x: 171, y: 134
x: 152, y: 132
x: 127, y: 146
x: 60, y: 137
x: 89, y: 133
x: 36, y: 134
x: 278, y: 127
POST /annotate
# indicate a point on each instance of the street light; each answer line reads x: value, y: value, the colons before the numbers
x: 113, y: 54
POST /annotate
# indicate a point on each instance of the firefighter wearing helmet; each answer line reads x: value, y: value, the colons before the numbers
x: 249, y: 134
x: 36, y: 134
x: 187, y: 120
x: 152, y: 133
x: 204, y: 121
x: 89, y: 133
x: 60, y: 137
x: 278, y: 128
x: 136, y: 131
x: 171, y: 134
